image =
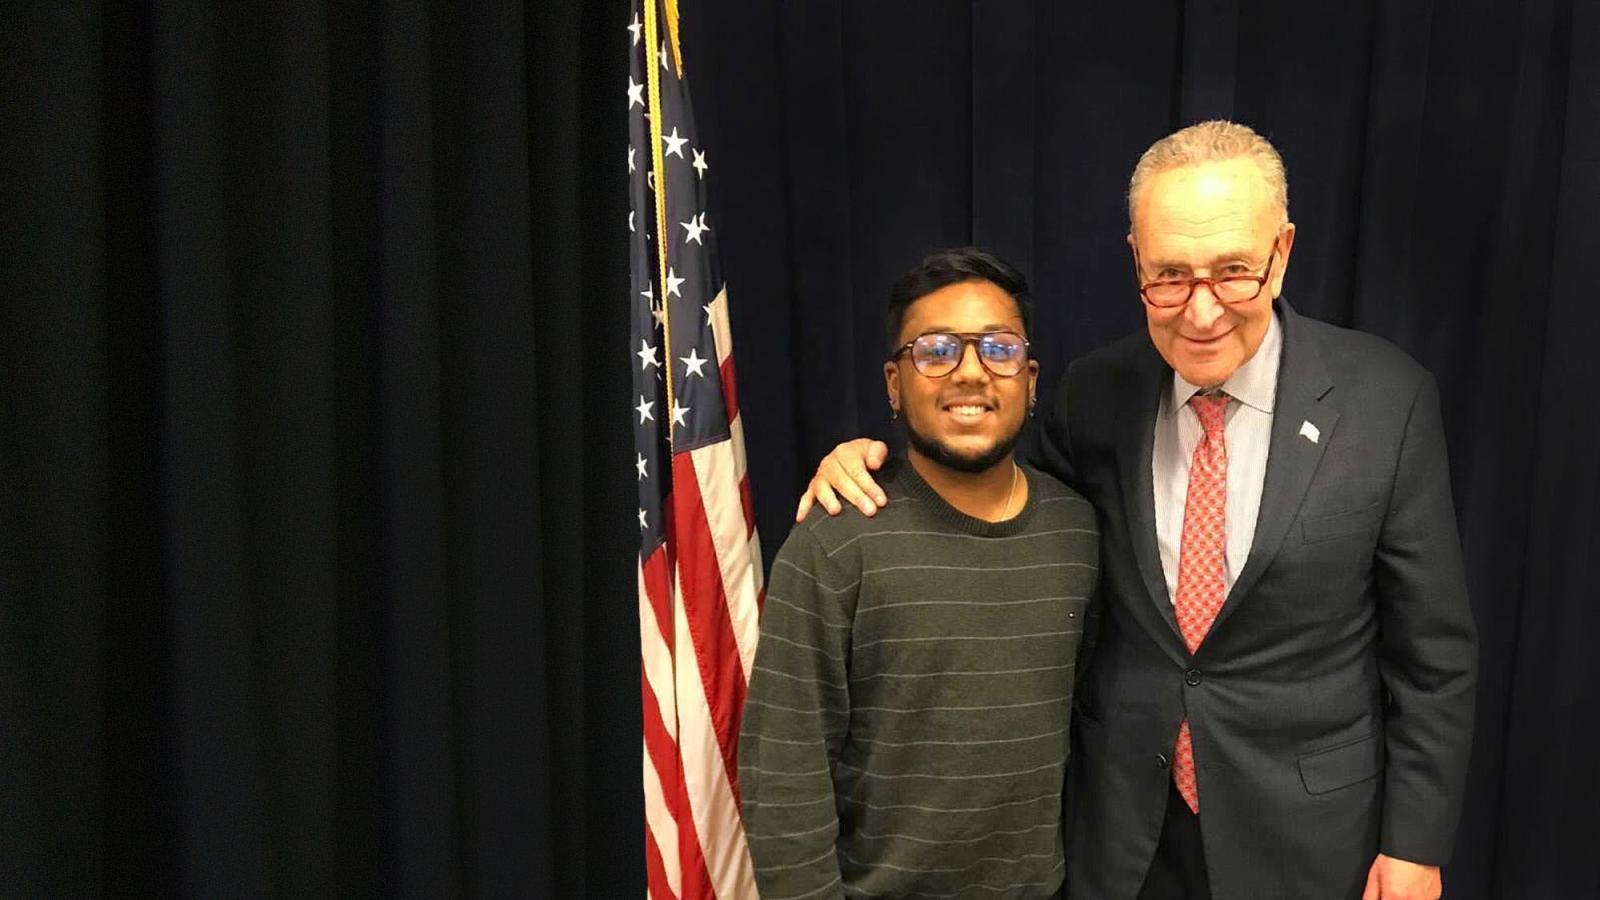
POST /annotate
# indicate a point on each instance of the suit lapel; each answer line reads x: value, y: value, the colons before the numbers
x: 1135, y: 444
x: 1292, y: 456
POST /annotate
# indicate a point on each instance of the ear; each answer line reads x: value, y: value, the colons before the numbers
x: 1033, y: 381
x: 1285, y: 245
x: 891, y: 383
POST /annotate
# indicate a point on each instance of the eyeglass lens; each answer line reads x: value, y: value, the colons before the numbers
x: 1001, y: 352
x: 1228, y: 290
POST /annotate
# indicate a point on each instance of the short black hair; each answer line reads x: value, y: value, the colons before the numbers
x: 954, y: 265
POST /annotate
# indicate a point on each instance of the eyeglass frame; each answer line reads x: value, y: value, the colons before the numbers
x: 1211, y: 283
x: 972, y: 339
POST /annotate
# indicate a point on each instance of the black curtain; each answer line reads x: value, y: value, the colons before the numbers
x: 315, y: 538
x: 316, y: 507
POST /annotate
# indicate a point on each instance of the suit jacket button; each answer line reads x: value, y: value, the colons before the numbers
x: 1161, y: 761
x: 1192, y: 678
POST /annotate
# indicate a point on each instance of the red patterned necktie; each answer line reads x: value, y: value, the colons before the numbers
x: 1202, y: 560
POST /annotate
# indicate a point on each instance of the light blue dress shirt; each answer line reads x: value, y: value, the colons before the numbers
x: 1247, y: 434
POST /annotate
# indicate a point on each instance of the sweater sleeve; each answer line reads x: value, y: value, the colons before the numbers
x: 795, y: 716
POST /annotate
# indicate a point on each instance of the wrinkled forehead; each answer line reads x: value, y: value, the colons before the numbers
x: 1197, y: 200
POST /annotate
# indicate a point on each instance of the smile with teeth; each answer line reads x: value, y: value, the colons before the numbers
x: 968, y: 411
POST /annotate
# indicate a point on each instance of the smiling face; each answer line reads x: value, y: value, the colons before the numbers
x: 969, y: 419
x: 1210, y: 220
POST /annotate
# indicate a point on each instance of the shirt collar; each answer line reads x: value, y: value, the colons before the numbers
x: 1255, y: 384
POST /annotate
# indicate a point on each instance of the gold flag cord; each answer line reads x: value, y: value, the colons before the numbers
x: 672, y: 35
x: 652, y: 77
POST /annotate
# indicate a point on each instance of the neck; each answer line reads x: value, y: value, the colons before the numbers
x: 993, y: 495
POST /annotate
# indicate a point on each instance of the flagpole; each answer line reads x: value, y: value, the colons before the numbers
x: 652, y: 77
x: 700, y: 574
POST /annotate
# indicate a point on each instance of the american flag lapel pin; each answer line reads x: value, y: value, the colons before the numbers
x: 1309, y: 431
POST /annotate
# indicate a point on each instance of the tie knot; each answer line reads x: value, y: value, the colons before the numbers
x: 1208, y: 408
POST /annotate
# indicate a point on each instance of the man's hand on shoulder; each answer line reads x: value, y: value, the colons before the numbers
x: 844, y: 473
x: 1396, y: 879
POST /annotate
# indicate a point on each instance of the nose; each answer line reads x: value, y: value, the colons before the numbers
x: 1204, y: 309
x: 971, y: 367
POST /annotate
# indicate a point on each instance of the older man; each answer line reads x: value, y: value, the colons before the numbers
x: 1280, y: 701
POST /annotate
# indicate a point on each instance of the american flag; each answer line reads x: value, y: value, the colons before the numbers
x: 699, y: 562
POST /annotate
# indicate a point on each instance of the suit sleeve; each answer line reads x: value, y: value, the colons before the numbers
x: 1047, y: 442
x: 796, y: 713
x: 1428, y: 652
x: 1048, y: 447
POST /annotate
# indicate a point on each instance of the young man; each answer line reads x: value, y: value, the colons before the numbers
x: 1281, y: 698
x: 906, y: 727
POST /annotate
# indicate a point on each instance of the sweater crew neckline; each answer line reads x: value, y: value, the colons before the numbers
x: 907, y: 476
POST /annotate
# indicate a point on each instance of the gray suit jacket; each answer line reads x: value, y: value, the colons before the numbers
x: 1331, y: 703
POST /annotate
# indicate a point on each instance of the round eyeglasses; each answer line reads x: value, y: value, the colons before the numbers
x: 1170, y: 293
x: 939, y: 353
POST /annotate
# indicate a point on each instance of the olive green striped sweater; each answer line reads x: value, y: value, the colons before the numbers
x: 905, y: 733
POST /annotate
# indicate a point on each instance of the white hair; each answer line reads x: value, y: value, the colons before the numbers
x: 1212, y: 141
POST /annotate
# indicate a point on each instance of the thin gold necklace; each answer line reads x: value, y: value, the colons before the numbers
x: 1015, y: 473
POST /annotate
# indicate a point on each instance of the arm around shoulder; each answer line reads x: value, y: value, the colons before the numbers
x: 845, y: 476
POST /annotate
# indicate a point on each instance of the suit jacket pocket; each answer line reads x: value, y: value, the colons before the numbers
x: 1342, y: 766
x: 1326, y: 528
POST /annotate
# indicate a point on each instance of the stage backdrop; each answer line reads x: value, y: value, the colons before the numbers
x: 317, y: 513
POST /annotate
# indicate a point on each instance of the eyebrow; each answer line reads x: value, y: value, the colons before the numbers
x: 936, y: 329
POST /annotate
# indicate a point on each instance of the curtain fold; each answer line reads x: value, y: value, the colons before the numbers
x: 312, y: 333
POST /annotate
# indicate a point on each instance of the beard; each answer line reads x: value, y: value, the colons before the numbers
x: 939, y: 452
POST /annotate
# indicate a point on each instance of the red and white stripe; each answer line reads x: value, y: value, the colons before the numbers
x: 699, y: 618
